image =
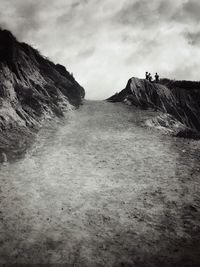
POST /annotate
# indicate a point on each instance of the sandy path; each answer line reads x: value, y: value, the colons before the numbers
x: 102, y: 191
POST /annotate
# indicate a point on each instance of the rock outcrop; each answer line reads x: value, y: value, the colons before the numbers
x: 178, y: 103
x: 32, y: 88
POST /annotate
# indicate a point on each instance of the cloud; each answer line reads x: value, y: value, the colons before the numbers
x: 21, y: 17
x: 191, y: 9
x: 193, y: 37
x: 85, y: 53
x: 148, y: 14
x: 188, y: 12
x: 104, y: 43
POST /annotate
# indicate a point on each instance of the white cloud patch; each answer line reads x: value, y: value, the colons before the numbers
x: 106, y: 42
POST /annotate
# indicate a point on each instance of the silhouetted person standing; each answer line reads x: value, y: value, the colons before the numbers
x: 147, y: 75
x: 156, y: 77
x: 150, y: 77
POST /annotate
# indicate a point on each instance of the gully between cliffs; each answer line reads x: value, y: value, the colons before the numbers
x: 99, y: 189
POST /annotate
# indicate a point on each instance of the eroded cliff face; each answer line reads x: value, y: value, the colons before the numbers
x: 178, y: 104
x: 32, y: 88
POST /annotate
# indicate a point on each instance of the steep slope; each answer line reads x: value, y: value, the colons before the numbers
x: 32, y: 88
x: 178, y: 103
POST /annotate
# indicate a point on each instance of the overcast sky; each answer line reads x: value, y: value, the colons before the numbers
x: 105, y: 42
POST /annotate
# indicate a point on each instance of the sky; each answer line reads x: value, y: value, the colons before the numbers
x: 106, y: 42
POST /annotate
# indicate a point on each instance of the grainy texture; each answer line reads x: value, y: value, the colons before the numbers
x: 102, y: 190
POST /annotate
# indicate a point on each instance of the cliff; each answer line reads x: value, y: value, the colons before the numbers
x: 178, y: 103
x: 32, y: 88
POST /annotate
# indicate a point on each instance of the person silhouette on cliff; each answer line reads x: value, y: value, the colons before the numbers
x: 147, y: 76
x: 150, y: 77
x: 156, y: 77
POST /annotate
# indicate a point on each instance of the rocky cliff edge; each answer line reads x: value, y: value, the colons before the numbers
x: 178, y: 103
x: 32, y: 89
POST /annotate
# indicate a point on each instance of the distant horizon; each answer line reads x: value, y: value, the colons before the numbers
x: 104, y: 44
